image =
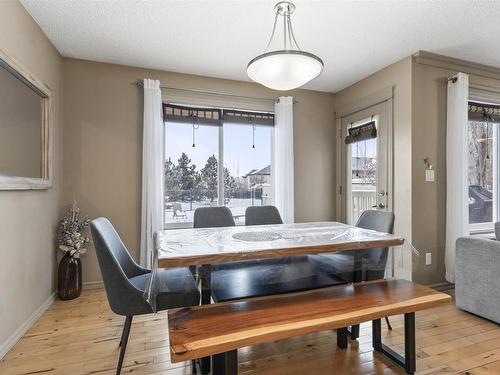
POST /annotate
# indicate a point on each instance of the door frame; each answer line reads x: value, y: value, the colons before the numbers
x: 385, y: 95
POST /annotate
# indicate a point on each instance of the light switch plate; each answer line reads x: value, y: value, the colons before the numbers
x: 429, y: 175
x: 428, y: 259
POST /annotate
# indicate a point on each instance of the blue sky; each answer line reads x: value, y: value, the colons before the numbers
x: 239, y: 156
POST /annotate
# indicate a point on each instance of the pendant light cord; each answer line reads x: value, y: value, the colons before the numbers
x: 287, y: 32
x: 290, y: 30
x: 253, y: 134
x: 284, y: 31
x: 487, y: 140
x: 195, y: 127
x: 272, y: 33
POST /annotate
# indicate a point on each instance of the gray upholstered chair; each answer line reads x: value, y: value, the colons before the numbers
x: 262, y: 215
x: 374, y: 260
x: 213, y: 217
x: 125, y: 281
x: 260, y: 277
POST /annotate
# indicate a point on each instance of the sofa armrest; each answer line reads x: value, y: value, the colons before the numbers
x: 477, y: 276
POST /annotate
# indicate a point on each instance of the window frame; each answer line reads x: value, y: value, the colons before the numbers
x: 220, y: 156
x: 482, y: 228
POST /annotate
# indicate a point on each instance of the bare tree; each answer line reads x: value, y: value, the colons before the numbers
x: 480, y: 142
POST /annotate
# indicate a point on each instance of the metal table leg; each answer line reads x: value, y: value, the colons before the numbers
x: 206, y: 299
x: 342, y: 338
x: 225, y: 363
x: 357, y: 277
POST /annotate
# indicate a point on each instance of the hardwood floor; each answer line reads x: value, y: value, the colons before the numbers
x: 81, y: 337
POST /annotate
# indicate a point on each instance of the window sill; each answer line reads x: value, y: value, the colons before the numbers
x: 482, y: 228
x: 490, y: 235
x: 482, y: 231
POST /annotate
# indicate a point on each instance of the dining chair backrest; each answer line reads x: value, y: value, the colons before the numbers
x: 381, y: 221
x: 116, y: 265
x: 211, y: 217
x: 262, y: 215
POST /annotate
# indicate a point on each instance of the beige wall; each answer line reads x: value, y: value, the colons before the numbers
x: 429, y: 198
x: 28, y: 218
x: 397, y: 76
x: 430, y: 73
x: 103, y: 143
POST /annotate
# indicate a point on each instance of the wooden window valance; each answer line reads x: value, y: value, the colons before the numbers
x: 214, y: 116
x: 484, y: 112
x: 361, y: 133
x: 246, y: 117
x: 191, y: 115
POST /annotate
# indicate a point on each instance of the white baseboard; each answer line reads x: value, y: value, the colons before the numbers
x: 28, y: 323
x: 93, y: 285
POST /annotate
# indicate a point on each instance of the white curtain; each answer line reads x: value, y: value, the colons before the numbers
x: 283, y: 158
x: 457, y: 207
x: 152, y: 169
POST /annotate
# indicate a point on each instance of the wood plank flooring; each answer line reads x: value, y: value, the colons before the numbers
x: 81, y: 337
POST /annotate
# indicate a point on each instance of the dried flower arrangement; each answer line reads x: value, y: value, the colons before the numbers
x: 70, y: 230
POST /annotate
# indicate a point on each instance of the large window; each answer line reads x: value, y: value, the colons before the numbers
x: 484, y: 120
x: 215, y: 157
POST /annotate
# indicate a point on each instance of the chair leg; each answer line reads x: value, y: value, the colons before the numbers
x: 123, y: 343
x: 389, y: 327
x: 123, y: 331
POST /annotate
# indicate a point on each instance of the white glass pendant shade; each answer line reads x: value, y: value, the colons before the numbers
x: 284, y: 69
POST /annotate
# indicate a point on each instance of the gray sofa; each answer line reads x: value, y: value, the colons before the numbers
x: 477, y: 276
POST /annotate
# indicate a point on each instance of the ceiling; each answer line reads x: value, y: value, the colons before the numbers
x: 218, y: 38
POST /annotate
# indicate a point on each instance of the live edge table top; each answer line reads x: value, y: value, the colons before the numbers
x: 185, y: 247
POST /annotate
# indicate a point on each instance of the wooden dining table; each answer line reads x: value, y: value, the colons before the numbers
x: 204, y: 247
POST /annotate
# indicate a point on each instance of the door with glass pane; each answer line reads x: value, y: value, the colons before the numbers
x: 365, y: 163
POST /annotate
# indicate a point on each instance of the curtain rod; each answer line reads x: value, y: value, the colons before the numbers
x: 217, y: 93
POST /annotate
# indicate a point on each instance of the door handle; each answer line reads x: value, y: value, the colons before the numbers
x: 380, y: 205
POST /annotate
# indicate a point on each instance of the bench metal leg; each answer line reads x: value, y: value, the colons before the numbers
x: 408, y: 362
x: 353, y: 332
x: 410, y: 346
x: 342, y: 338
x: 225, y: 363
x: 206, y: 294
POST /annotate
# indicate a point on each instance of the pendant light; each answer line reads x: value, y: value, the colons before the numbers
x: 290, y: 67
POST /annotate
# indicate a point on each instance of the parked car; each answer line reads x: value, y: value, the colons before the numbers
x: 480, y: 204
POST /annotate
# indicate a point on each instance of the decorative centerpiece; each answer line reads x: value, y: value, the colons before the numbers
x: 72, y: 242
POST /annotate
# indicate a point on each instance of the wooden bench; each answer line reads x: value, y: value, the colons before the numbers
x: 221, y: 329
